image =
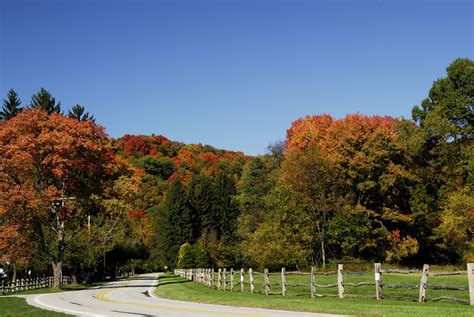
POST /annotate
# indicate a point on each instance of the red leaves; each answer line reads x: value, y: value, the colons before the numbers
x: 142, y: 145
x: 137, y: 213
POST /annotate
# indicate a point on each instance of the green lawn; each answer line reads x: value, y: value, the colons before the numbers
x: 174, y: 287
x: 14, y: 306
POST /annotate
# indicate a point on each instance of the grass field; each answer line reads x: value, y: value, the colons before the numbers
x: 13, y: 307
x: 175, y: 287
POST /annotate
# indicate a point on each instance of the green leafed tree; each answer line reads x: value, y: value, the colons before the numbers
x: 11, y: 106
x: 256, y: 182
x: 45, y: 101
x: 285, y: 235
x: 225, y: 208
x: 78, y: 112
x: 174, y: 227
x: 200, y: 198
x: 448, y: 112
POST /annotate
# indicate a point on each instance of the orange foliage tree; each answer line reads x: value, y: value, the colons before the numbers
x: 368, y: 157
x: 48, y: 163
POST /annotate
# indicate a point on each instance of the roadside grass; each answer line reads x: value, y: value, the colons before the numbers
x: 14, y: 306
x: 174, y: 287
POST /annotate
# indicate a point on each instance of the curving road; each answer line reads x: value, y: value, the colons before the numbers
x: 134, y: 297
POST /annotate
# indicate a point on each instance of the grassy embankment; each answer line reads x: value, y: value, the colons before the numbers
x: 175, y: 287
x: 14, y: 306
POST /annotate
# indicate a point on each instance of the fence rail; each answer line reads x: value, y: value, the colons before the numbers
x: 11, y: 287
x: 276, y: 283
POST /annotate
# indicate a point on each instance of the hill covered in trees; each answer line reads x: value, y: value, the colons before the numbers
x: 358, y: 188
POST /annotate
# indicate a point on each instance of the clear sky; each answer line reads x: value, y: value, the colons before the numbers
x: 232, y: 74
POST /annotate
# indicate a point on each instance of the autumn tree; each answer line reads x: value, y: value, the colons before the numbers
x: 48, y: 164
x: 310, y: 174
x: 45, y: 101
x: 11, y: 106
x: 371, y: 164
x: 284, y: 237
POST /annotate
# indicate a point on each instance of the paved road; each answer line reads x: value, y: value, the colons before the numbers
x: 134, y: 297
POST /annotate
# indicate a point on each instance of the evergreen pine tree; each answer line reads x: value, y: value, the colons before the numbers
x: 224, y: 207
x: 44, y: 100
x: 11, y: 106
x: 78, y: 112
x: 200, y: 200
x: 173, y: 221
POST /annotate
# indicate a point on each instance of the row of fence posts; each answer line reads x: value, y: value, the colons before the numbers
x: 10, y: 287
x: 205, y: 276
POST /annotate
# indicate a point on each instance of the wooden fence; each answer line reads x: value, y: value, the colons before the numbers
x: 10, y: 287
x: 227, y: 281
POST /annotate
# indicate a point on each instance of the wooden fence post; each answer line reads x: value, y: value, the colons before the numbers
x: 219, y: 279
x: 340, y: 280
x: 470, y: 278
x: 231, y: 279
x: 283, y: 282
x: 378, y: 281
x: 313, y: 282
x: 266, y: 281
x: 212, y: 277
x: 252, y: 286
x: 241, y: 280
x: 423, y: 282
x: 224, y: 278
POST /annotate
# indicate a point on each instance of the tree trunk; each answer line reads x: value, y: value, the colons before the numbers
x: 57, y: 261
x: 323, y: 251
x: 74, y: 275
x: 321, y: 237
x: 57, y: 273
x: 14, y: 271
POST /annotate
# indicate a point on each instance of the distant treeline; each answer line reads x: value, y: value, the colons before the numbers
x: 359, y: 188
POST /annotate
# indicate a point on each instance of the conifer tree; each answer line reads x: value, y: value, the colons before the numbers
x: 44, y: 100
x: 11, y: 106
x: 78, y: 112
x: 200, y: 199
x: 225, y: 208
x: 173, y: 221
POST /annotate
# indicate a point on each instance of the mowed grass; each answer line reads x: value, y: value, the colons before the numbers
x: 14, y: 306
x: 298, y: 298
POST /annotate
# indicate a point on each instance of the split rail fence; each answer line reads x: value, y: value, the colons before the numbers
x: 10, y: 287
x: 276, y: 283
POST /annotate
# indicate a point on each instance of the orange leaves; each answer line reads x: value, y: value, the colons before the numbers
x: 365, y: 151
x: 328, y: 133
x: 143, y: 145
x: 308, y: 130
x: 401, y: 247
x: 137, y: 213
x: 44, y: 155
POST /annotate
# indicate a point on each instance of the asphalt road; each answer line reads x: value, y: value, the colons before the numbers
x: 134, y: 297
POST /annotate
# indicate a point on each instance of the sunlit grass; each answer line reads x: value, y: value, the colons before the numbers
x: 174, y: 287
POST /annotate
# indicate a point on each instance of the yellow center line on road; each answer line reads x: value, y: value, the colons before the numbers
x: 102, y: 296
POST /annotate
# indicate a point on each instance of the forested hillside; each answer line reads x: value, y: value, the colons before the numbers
x: 357, y: 188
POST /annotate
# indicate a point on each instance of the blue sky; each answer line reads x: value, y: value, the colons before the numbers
x: 232, y: 74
